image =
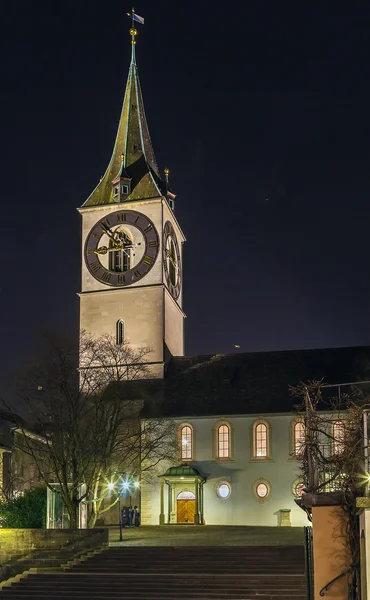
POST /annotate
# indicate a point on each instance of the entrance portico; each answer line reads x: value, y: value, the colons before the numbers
x: 185, y: 496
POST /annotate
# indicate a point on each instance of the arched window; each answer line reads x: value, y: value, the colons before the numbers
x: 186, y: 442
x: 299, y: 435
x: 338, y: 437
x: 120, y: 260
x: 260, y: 440
x: 120, y: 332
x: 223, y: 441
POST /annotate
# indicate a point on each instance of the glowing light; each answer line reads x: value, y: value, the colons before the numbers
x: 184, y: 441
x: 137, y: 484
x: 125, y: 485
x: 110, y: 486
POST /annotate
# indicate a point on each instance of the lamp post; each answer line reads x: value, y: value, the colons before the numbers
x: 111, y: 488
x: 122, y: 488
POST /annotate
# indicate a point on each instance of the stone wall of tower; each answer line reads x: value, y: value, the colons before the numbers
x: 173, y: 326
x: 152, y: 318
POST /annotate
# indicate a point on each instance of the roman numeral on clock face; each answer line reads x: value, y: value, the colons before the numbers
x: 152, y: 244
x: 121, y: 217
x: 121, y: 280
x: 106, y: 276
x: 147, y: 260
x: 147, y: 229
x: 95, y: 266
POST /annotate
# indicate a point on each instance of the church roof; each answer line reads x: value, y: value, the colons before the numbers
x: 133, y: 155
x: 255, y: 382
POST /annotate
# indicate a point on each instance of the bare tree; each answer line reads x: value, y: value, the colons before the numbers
x: 332, y: 453
x: 86, y: 413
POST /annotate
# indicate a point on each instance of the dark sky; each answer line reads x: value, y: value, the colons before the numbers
x: 261, y: 114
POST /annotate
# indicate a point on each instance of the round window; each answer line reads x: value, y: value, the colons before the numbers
x: 223, y: 490
x: 298, y: 489
x: 262, y: 490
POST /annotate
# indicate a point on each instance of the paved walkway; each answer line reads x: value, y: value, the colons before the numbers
x: 207, y: 535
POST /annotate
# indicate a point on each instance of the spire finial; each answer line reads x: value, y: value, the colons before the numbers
x: 133, y: 30
x: 166, y: 173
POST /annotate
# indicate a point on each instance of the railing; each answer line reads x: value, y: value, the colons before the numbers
x: 308, y: 554
x: 327, y: 586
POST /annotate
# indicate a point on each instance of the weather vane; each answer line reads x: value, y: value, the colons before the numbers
x: 134, y: 17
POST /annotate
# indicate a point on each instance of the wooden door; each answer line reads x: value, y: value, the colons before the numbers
x: 185, y: 511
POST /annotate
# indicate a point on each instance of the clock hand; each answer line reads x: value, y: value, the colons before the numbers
x: 109, y: 233
x: 105, y: 250
x: 171, y: 258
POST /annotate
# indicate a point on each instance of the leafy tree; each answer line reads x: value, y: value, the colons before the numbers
x: 87, y: 416
x: 25, y: 512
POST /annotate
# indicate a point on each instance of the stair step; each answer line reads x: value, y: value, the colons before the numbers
x: 167, y: 573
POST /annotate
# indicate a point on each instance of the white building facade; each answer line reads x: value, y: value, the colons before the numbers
x: 248, y: 474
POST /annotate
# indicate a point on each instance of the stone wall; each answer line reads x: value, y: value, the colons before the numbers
x: 21, y: 549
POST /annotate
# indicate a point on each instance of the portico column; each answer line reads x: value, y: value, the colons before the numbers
x: 173, y: 504
x: 161, y: 514
x: 197, y: 516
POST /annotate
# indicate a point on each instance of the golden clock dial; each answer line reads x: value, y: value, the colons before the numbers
x: 121, y: 248
x: 172, y: 260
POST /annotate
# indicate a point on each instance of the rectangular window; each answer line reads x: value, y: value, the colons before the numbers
x: 125, y: 190
x: 116, y: 191
x: 338, y: 437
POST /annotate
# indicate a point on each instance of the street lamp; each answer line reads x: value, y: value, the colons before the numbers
x: 122, y: 488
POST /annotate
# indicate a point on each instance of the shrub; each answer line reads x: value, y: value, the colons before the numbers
x: 25, y: 512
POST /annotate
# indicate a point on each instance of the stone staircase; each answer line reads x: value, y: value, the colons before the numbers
x: 187, y: 573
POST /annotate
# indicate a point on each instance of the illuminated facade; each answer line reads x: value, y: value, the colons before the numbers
x: 239, y: 441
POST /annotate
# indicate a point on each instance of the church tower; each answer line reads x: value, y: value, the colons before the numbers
x: 132, y: 244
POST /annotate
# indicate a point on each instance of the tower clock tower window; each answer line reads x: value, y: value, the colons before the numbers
x: 120, y: 332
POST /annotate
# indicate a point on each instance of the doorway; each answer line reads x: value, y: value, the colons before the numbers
x: 185, y: 507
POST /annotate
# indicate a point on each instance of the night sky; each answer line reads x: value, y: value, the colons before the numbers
x: 262, y: 116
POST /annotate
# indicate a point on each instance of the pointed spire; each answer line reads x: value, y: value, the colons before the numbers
x: 133, y: 156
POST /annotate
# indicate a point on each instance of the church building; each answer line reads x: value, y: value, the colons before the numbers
x: 239, y: 435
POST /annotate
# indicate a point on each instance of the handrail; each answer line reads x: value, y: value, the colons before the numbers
x: 327, y: 586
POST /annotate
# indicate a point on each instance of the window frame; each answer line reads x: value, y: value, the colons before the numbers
x: 338, y: 445
x: 120, y: 332
x: 186, y: 458
x: 255, y: 484
x: 293, y: 437
x: 255, y: 425
x: 295, y: 483
x: 217, y: 487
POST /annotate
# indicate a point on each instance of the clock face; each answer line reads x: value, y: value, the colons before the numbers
x: 171, y: 260
x: 121, y: 248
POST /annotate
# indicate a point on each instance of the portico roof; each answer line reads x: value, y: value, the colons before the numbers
x: 182, y: 471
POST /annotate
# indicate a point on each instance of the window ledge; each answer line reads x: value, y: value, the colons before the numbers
x: 223, y: 460
x: 262, y: 459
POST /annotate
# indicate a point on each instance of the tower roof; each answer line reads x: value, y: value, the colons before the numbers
x: 133, y: 156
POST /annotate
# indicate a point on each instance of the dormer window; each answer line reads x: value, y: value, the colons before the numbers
x: 121, y: 188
